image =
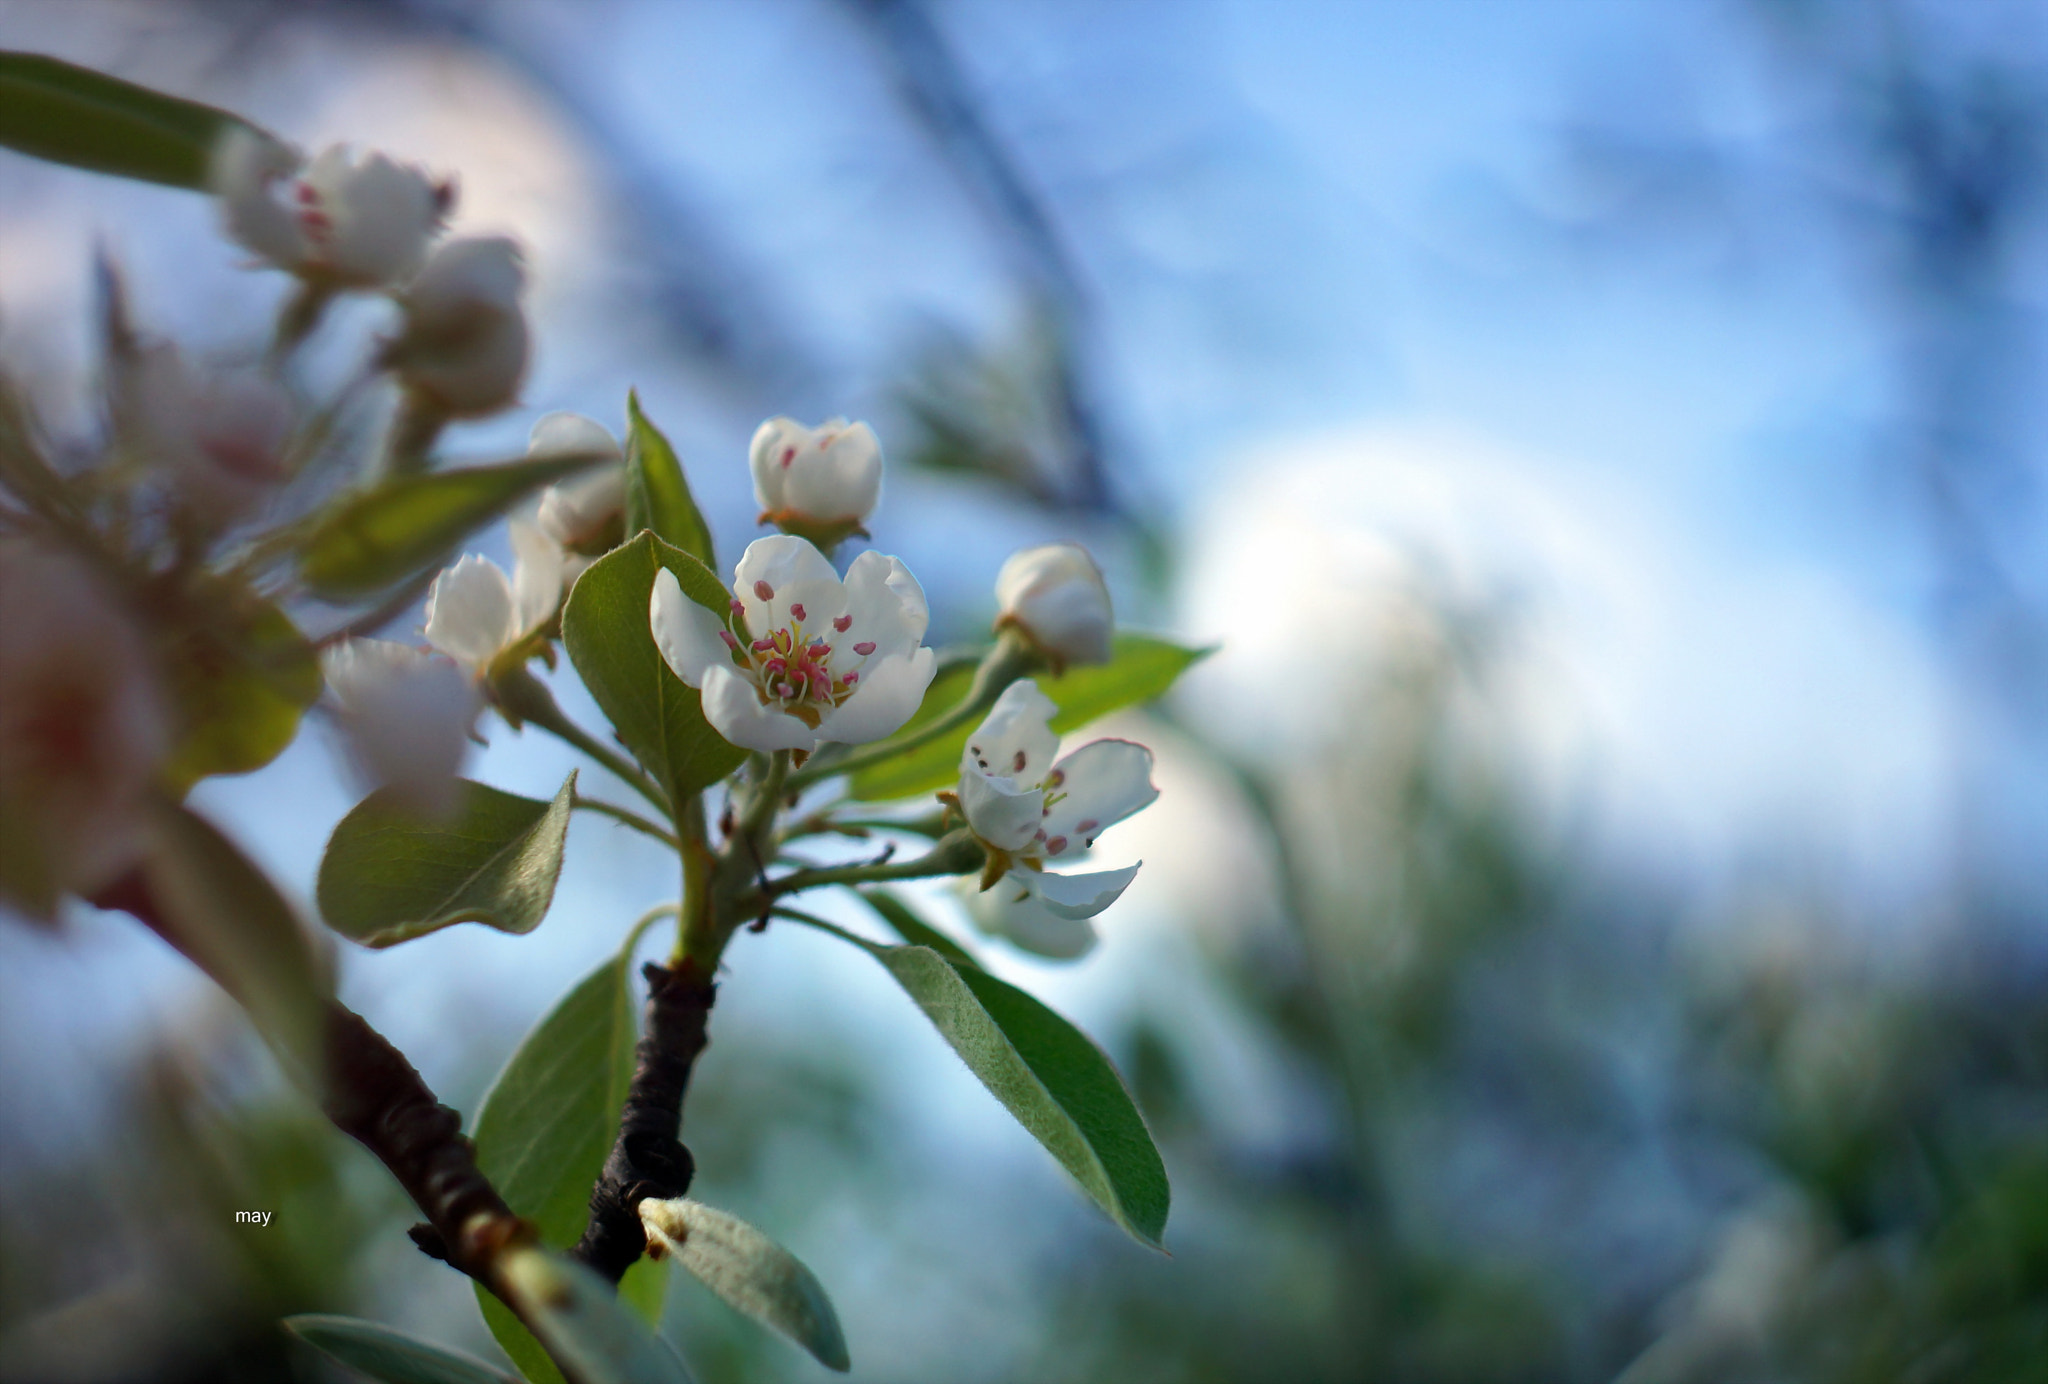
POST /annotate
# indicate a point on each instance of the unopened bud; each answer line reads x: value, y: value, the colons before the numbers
x: 1056, y: 598
x: 819, y: 483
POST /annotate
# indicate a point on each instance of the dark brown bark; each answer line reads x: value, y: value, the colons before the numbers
x: 648, y: 1160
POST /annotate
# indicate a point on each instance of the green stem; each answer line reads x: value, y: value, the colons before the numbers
x: 525, y: 698
x: 955, y: 854
x: 1010, y: 659
x: 631, y: 819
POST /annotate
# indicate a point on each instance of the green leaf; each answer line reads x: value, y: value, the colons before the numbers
x: 1048, y: 1074
x: 240, y: 676
x: 605, y: 628
x: 750, y: 1272
x: 389, y: 1355
x: 577, y: 1316
x: 368, y: 541
x: 74, y: 115
x: 225, y: 914
x: 549, y: 1120
x: 657, y: 494
x: 388, y: 877
x: 913, y: 929
x: 1141, y: 667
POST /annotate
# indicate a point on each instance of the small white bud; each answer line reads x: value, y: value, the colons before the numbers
x: 463, y: 347
x: 407, y: 714
x: 1055, y: 596
x: 583, y: 514
x: 820, y: 483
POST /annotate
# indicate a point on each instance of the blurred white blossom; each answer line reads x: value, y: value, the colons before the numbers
x: 1055, y: 596
x: 219, y: 437
x: 343, y: 221
x: 407, y: 713
x: 463, y: 345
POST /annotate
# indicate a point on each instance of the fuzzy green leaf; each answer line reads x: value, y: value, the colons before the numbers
x: 1141, y: 667
x: 388, y: 1355
x: 750, y: 1272
x: 372, y: 540
x: 1047, y: 1073
x: 584, y: 1325
x: 240, y: 676
x: 606, y: 630
x: 549, y: 1120
x: 388, y: 877
x: 657, y: 493
x: 217, y: 908
x: 73, y: 115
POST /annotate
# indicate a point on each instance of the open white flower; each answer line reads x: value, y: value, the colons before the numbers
x: 820, y: 482
x: 463, y: 346
x: 408, y: 715
x: 1055, y: 596
x: 343, y: 221
x: 218, y: 437
x: 82, y: 728
x: 581, y: 515
x: 803, y: 658
x: 475, y: 612
x: 1030, y: 810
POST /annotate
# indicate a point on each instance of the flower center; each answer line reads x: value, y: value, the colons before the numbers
x: 792, y: 670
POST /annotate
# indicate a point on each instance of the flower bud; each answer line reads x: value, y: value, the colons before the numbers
x: 818, y: 483
x: 344, y: 222
x: 407, y: 714
x: 1056, y: 598
x: 462, y: 351
x: 219, y: 438
x: 82, y: 728
x: 586, y: 515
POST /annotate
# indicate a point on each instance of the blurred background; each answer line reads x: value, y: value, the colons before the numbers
x: 1596, y: 922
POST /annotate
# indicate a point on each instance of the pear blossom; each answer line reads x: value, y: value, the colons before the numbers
x: 83, y: 728
x: 1056, y: 598
x: 463, y: 347
x: 475, y: 612
x: 342, y: 221
x: 582, y: 516
x: 1030, y: 810
x: 819, y: 482
x: 803, y: 658
x: 407, y: 713
x: 220, y: 438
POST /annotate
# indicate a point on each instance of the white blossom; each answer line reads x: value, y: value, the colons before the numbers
x: 582, y: 515
x: 475, y: 612
x: 219, y: 437
x: 1055, y: 596
x: 820, y: 482
x: 463, y: 345
x: 407, y: 713
x: 343, y: 221
x: 1031, y: 810
x: 803, y: 658
x: 82, y: 728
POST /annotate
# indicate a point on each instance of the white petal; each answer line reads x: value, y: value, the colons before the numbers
x: 1014, y: 740
x: 537, y: 573
x: 565, y: 434
x: 1057, y: 594
x: 891, y: 690
x: 245, y: 170
x: 1104, y: 781
x: 836, y: 475
x: 796, y: 574
x: 735, y: 711
x: 886, y: 604
x: 772, y: 441
x: 685, y: 632
x: 1081, y: 896
x: 407, y: 715
x: 1001, y: 813
x: 469, y: 612
x: 1012, y: 910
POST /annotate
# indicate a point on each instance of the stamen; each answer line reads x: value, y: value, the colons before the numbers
x: 730, y: 642
x: 1090, y: 825
x: 738, y: 607
x: 1056, y: 845
x: 1055, y: 778
x: 797, y: 610
x: 843, y: 623
x: 865, y: 647
x: 1018, y: 762
x: 850, y: 679
x: 764, y: 591
x: 788, y: 455
x: 762, y: 646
